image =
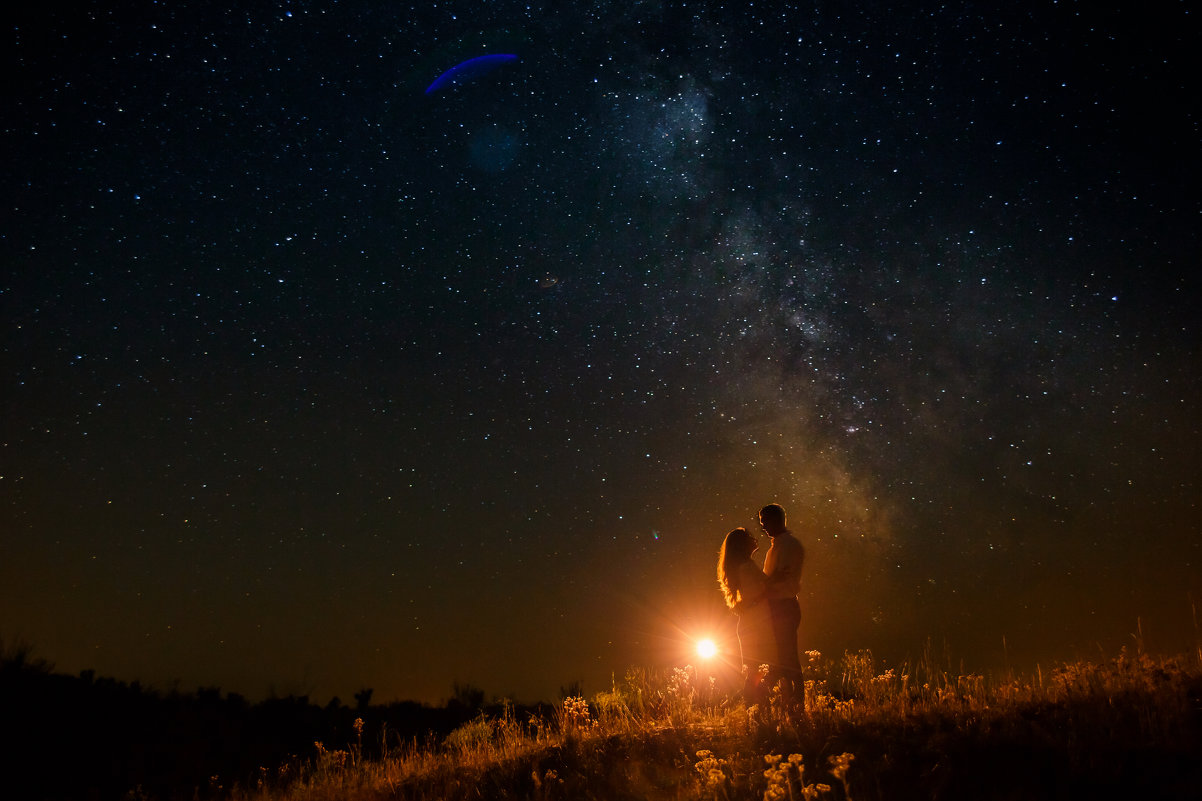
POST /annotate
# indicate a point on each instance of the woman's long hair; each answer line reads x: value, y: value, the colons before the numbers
x: 736, y: 549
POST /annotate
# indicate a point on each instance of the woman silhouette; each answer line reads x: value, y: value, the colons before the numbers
x: 743, y: 586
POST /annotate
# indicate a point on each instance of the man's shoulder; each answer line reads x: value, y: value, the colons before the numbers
x: 791, y: 542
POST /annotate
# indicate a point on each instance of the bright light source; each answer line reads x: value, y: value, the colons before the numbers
x: 706, y: 649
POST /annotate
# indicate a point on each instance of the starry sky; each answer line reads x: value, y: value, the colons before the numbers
x: 315, y: 381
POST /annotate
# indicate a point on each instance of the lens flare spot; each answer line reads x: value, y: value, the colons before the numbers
x: 706, y: 649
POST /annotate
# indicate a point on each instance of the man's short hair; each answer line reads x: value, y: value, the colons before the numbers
x: 773, y: 511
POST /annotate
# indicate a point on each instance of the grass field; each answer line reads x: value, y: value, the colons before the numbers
x: 1127, y: 727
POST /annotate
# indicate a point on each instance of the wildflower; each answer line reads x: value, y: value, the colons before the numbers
x: 785, y: 778
x: 775, y: 792
x: 358, y: 724
x: 576, y: 713
x: 712, y: 770
x: 680, y: 683
x: 839, y: 765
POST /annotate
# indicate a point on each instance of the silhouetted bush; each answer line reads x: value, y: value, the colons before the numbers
x: 89, y: 737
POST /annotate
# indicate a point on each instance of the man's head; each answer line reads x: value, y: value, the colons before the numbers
x: 772, y: 519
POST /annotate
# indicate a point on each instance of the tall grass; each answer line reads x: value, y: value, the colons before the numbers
x: 1127, y: 727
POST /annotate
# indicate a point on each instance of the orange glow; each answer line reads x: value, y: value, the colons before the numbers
x: 706, y: 649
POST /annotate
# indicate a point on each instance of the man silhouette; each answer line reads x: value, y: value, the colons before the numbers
x: 782, y: 566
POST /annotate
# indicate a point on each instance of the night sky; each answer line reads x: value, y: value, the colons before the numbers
x: 314, y: 381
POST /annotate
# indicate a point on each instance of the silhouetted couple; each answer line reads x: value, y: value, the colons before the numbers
x: 766, y: 602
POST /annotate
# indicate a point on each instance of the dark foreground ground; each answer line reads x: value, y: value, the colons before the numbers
x: 1128, y: 730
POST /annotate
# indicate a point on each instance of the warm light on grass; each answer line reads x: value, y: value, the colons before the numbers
x: 656, y: 717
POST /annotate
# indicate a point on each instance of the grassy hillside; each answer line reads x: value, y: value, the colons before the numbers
x: 1130, y: 728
